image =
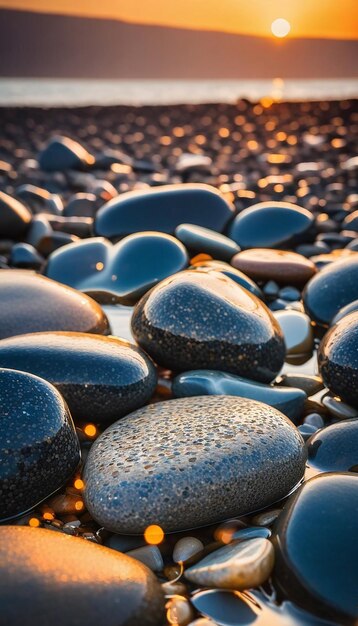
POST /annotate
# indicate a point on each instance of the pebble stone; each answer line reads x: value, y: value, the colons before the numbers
x: 309, y: 384
x: 235, y: 566
x: 31, y: 303
x: 39, y: 449
x: 281, y: 266
x: 333, y: 288
x: 225, y: 268
x: 297, y: 331
x: 203, y: 240
x: 52, y: 578
x: 349, y: 308
x: 316, y: 548
x: 197, y: 320
x: 222, y: 446
x: 62, y: 154
x: 270, y: 225
x: 289, y: 401
x: 121, y: 273
x: 101, y: 378
x: 186, y: 548
x: 163, y: 209
x: 15, y: 218
x: 338, y: 359
x: 335, y: 448
x: 337, y: 408
x: 149, y: 556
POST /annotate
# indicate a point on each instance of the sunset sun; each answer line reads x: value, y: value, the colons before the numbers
x: 280, y: 27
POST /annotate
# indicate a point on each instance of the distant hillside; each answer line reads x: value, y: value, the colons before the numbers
x: 35, y: 44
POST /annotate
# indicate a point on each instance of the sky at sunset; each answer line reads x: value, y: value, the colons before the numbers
x: 308, y: 18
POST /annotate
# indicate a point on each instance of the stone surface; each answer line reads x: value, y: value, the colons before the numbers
x: 231, y: 272
x: 239, y: 565
x: 198, y: 239
x: 163, y: 209
x: 101, y: 378
x: 39, y: 449
x: 270, y: 225
x: 63, y: 153
x: 316, y: 547
x: 287, y: 268
x: 289, y: 401
x: 190, y: 462
x: 25, y: 256
x: 349, y: 308
x: 31, y: 303
x: 121, y: 273
x: 186, y: 548
x: 338, y: 359
x: 333, y: 288
x: 337, y: 408
x: 15, y: 218
x: 309, y: 384
x: 203, y: 320
x: 51, y: 578
x: 297, y: 331
x: 335, y: 448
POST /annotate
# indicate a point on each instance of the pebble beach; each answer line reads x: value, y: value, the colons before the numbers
x: 179, y: 364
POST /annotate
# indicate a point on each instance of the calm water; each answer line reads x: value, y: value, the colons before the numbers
x: 81, y: 92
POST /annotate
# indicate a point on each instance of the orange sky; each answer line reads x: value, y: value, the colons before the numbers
x: 308, y: 18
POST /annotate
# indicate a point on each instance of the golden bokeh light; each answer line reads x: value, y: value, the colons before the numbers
x: 90, y: 430
x: 153, y: 534
x: 34, y: 522
x: 78, y: 484
x: 280, y: 27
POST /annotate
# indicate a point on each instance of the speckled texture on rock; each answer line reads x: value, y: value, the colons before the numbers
x: 31, y: 303
x: 101, y: 378
x: 163, y: 209
x: 190, y: 462
x: 201, y: 320
x: 39, y: 449
x: 333, y: 288
x: 51, y: 578
x: 338, y: 359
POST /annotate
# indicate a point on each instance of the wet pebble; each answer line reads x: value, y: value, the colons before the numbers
x: 335, y: 448
x: 186, y: 548
x: 15, y: 218
x: 62, y: 153
x: 149, y: 556
x: 297, y: 331
x: 224, y: 268
x: 309, y: 384
x: 340, y: 410
x: 203, y: 240
x: 287, y: 268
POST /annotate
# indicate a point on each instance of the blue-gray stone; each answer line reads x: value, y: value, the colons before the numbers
x: 62, y: 153
x: 190, y: 462
x: 345, y: 310
x: 23, y: 255
x: 288, y: 400
x: 15, y: 218
x: 231, y: 272
x: 335, y: 448
x: 198, y: 239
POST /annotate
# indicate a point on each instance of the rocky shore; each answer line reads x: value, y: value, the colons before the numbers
x: 179, y: 365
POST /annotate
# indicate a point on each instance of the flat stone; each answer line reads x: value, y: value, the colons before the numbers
x: 25, y: 256
x: 333, y: 288
x: 39, y: 199
x: 335, y: 448
x: 163, y: 209
x: 270, y: 225
x: 316, y: 547
x: 15, y: 218
x: 349, y: 308
x: 39, y: 449
x: 201, y: 320
x: 231, y: 272
x: 63, y: 153
x: 101, y: 378
x: 309, y: 384
x: 225, y: 456
x: 121, y: 273
x: 287, y: 268
x: 297, y: 331
x: 51, y: 578
x: 289, y: 401
x: 186, y: 548
x: 198, y: 239
x: 338, y: 359
x: 239, y: 565
x: 30, y: 303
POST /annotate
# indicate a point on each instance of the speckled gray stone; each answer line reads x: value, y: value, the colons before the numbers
x: 101, y: 378
x: 201, y: 320
x: 39, y: 449
x: 190, y: 462
x: 31, y: 303
x: 51, y: 578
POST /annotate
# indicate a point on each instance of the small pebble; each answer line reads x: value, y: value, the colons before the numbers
x: 186, y: 548
x: 149, y: 556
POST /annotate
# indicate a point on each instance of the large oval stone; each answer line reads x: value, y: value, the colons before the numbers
x: 335, y: 448
x: 333, y: 288
x: 270, y: 225
x: 39, y: 449
x: 317, y: 548
x: 120, y: 273
x: 288, y: 268
x: 101, y: 378
x: 203, y: 320
x: 15, y: 217
x: 190, y: 462
x: 338, y: 359
x: 51, y: 578
x: 163, y: 209
x: 30, y: 303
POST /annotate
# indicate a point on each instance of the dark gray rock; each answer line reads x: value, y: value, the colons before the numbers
x: 203, y: 240
x: 25, y: 256
x: 203, y: 320
x: 30, y: 303
x: 335, y: 448
x: 15, y: 218
x: 63, y: 153
x: 101, y: 378
x: 39, y: 449
x: 231, y: 272
x: 51, y: 578
x: 190, y: 462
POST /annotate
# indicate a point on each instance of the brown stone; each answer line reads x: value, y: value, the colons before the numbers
x: 288, y: 268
